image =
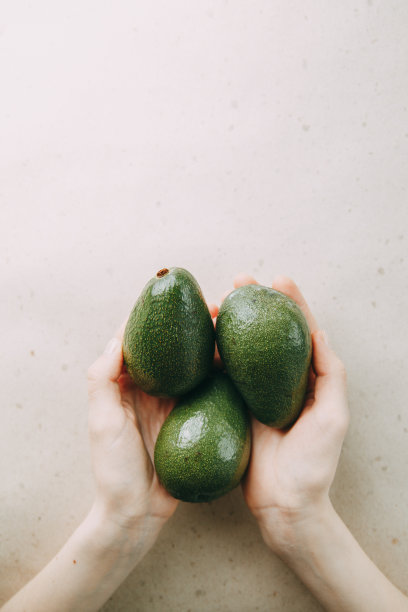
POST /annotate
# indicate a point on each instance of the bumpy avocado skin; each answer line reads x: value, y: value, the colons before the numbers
x: 203, y: 447
x: 264, y: 341
x: 169, y: 340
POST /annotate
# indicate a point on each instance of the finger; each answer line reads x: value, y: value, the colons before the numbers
x: 264, y: 434
x: 240, y: 281
x: 311, y: 380
x: 213, y: 308
x: 105, y: 371
x: 226, y: 294
x: 325, y: 361
x: 330, y: 385
x: 244, y: 279
x: 288, y: 287
x: 151, y: 414
x: 257, y: 428
x: 125, y: 382
x: 121, y: 329
x: 217, y: 359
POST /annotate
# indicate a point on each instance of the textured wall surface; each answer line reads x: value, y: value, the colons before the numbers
x: 266, y: 137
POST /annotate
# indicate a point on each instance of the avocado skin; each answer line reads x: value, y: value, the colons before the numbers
x: 203, y: 447
x: 264, y: 342
x: 169, y: 339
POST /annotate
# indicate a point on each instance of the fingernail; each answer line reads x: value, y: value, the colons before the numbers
x: 112, y: 346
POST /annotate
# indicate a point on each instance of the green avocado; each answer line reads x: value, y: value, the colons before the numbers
x: 169, y: 340
x: 264, y: 342
x: 203, y: 447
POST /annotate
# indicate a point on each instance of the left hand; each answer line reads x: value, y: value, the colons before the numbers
x: 290, y: 472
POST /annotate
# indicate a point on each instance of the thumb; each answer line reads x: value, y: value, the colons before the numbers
x: 105, y: 371
x: 330, y: 386
x: 325, y: 360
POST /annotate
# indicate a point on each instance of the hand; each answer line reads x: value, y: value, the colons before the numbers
x: 123, y: 426
x: 287, y: 488
x: 130, y: 506
x: 124, y: 423
x: 290, y: 472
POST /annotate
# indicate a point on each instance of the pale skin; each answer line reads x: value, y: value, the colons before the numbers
x: 286, y: 488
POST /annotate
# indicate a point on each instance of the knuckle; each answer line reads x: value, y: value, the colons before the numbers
x: 287, y: 284
x: 341, y: 369
x: 336, y: 422
x: 106, y: 426
x: 342, y: 423
x: 93, y: 375
x: 97, y: 427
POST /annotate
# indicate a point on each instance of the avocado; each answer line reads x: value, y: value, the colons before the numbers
x: 203, y: 447
x: 169, y: 339
x: 264, y: 342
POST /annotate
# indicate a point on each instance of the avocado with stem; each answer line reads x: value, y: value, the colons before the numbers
x: 169, y: 339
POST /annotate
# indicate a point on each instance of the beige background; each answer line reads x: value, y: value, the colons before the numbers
x: 267, y: 137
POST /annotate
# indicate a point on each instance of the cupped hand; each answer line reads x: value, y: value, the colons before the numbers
x: 290, y: 472
x: 124, y: 423
x: 123, y: 426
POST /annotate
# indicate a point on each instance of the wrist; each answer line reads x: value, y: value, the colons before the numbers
x: 287, y: 531
x: 127, y: 538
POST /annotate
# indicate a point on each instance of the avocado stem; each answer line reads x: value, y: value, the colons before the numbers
x: 162, y: 272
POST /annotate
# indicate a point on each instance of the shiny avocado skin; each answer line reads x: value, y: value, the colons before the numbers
x: 264, y: 342
x: 169, y: 339
x: 203, y: 447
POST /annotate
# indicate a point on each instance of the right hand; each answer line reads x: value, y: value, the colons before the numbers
x: 123, y: 425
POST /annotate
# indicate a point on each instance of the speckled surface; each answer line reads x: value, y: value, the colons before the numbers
x: 221, y: 137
